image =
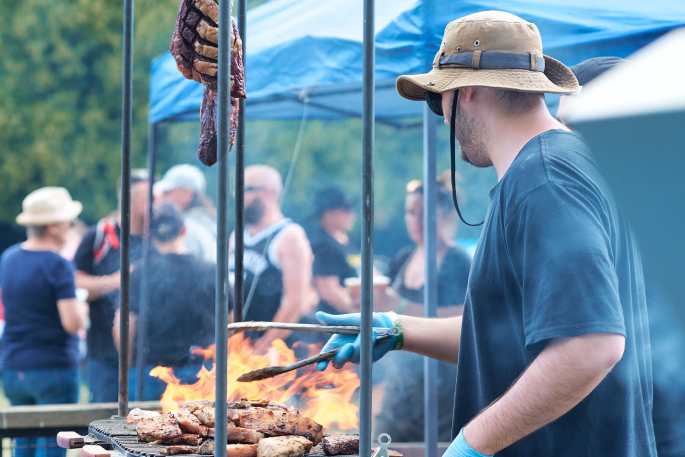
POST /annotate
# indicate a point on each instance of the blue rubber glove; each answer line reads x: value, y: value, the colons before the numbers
x: 351, y: 345
x: 459, y: 448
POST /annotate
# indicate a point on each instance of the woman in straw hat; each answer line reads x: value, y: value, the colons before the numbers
x: 553, y: 347
x: 39, y: 346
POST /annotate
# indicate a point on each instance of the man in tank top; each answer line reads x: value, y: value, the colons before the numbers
x: 277, y: 258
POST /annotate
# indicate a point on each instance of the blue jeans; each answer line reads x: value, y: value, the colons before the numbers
x: 153, y: 387
x: 40, y: 387
x: 103, y: 380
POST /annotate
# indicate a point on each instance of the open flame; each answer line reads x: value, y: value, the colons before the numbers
x: 324, y: 396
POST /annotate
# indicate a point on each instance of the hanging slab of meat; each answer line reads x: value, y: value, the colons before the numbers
x: 194, y: 46
x: 284, y: 446
x: 339, y: 444
x: 277, y: 422
x: 209, y: 119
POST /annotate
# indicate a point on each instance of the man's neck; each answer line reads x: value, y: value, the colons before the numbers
x: 269, y: 218
x: 512, y: 133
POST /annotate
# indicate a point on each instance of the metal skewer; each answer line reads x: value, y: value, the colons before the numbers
x: 350, y: 330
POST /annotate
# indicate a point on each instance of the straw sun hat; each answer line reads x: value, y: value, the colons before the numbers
x: 490, y: 49
x: 48, y: 205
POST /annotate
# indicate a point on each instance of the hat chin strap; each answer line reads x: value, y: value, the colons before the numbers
x: 453, y: 148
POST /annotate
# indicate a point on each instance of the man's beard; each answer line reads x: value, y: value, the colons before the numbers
x: 253, y: 212
x: 471, y: 134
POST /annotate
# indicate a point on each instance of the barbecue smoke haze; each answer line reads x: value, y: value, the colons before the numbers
x: 324, y: 396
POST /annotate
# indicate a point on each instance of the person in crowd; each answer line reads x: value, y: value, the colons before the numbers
x: 277, y: 258
x: 402, y: 409
x: 553, y: 348
x: 336, y: 257
x: 666, y: 324
x: 185, y: 186
x: 406, y: 272
x: 39, y: 346
x: 97, y: 263
x: 179, y: 308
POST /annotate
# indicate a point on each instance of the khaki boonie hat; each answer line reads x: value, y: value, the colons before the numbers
x: 490, y: 49
x: 48, y: 205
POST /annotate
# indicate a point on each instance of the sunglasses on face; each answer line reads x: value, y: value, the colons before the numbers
x: 434, y: 101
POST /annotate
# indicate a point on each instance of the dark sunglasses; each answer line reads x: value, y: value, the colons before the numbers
x: 434, y: 102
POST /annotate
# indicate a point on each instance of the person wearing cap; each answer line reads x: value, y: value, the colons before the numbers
x: 39, y: 346
x: 97, y: 263
x: 185, y: 186
x: 180, y: 311
x: 666, y: 330
x: 336, y: 257
x: 277, y: 258
x: 553, y: 346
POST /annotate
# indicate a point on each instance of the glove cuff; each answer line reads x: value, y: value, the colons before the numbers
x: 461, y: 442
x: 396, y: 329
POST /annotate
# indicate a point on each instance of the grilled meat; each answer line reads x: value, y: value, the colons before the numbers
x: 162, y: 428
x: 209, y: 122
x: 283, y: 446
x: 338, y: 444
x: 205, y: 416
x: 235, y: 434
x: 137, y: 414
x: 232, y: 450
x: 187, y: 421
x: 181, y: 449
x: 277, y: 422
x: 193, y: 406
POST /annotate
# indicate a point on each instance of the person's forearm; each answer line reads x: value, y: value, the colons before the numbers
x: 436, y: 338
x: 97, y: 286
x: 564, y: 373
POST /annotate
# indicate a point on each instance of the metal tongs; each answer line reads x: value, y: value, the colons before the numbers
x: 382, y: 334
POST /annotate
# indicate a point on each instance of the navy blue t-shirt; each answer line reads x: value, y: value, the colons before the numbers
x: 556, y: 259
x: 32, y: 282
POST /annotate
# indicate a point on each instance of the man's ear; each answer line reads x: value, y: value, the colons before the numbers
x: 469, y: 93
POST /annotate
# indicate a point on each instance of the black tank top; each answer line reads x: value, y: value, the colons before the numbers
x: 261, y: 266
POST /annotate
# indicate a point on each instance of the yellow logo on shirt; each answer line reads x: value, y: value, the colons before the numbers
x: 354, y: 260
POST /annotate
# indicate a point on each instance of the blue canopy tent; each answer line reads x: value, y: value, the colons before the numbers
x: 311, y: 49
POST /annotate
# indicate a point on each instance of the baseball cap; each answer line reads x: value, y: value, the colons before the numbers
x: 186, y: 176
x: 588, y: 70
x: 331, y: 198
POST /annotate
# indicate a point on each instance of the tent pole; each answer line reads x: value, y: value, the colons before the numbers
x: 144, y: 297
x: 240, y: 181
x: 430, y: 291
x: 125, y: 256
x: 221, y: 304
x: 368, y: 114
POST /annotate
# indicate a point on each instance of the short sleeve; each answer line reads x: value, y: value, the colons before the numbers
x: 83, y: 259
x: 328, y: 261
x: 562, y: 256
x: 453, y: 278
x: 61, y: 278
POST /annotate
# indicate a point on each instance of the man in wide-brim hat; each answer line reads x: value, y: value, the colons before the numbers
x: 553, y: 348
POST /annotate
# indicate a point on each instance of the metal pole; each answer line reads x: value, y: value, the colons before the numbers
x: 240, y: 180
x: 141, y: 333
x: 367, y: 229
x: 221, y: 305
x: 125, y: 259
x: 430, y: 290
